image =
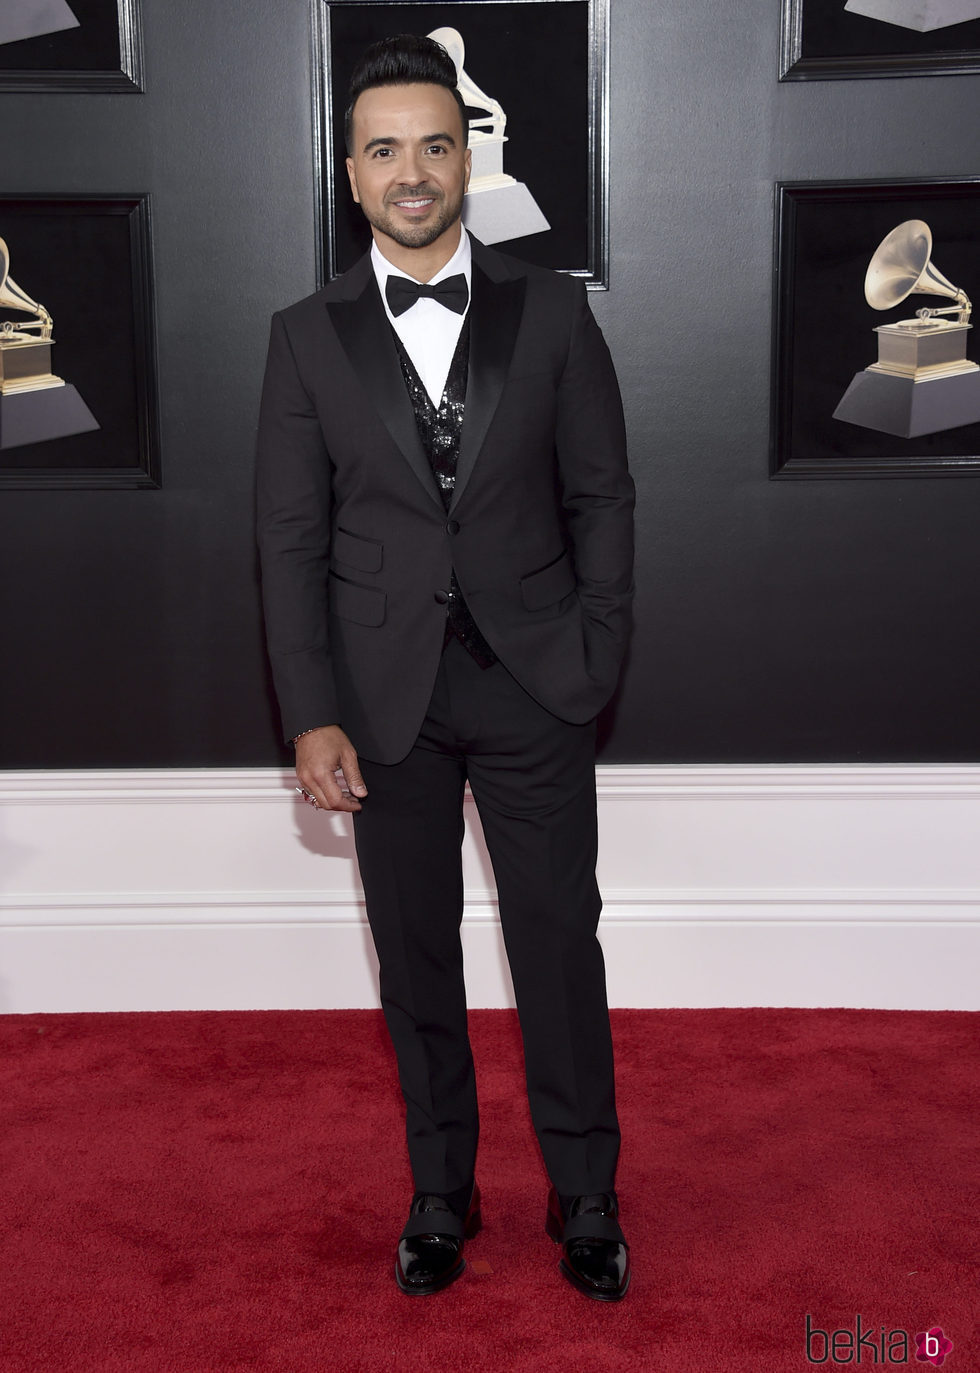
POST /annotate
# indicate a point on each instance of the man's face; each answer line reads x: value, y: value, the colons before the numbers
x: 410, y: 165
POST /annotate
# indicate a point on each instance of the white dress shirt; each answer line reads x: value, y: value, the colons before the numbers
x: 427, y: 329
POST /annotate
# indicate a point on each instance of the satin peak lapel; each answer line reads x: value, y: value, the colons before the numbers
x: 363, y: 329
x: 495, y: 317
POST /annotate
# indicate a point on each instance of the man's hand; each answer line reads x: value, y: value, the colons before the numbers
x: 319, y: 755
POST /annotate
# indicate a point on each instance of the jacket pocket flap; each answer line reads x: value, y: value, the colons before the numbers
x: 355, y: 551
x: 548, y: 584
x: 365, y: 605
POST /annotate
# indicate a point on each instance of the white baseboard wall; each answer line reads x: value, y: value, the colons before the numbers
x: 769, y: 885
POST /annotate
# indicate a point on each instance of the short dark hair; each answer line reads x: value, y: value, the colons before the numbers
x: 407, y: 59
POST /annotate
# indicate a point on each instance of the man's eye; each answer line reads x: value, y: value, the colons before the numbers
x: 437, y: 148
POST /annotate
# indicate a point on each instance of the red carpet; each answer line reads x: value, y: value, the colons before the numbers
x: 196, y: 1192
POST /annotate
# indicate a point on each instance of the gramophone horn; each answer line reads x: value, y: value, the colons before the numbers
x: 901, y: 267
x: 452, y: 41
x: 11, y: 294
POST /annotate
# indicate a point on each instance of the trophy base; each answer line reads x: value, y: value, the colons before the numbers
x: 921, y: 15
x: 500, y: 213
x: 36, y: 416
x: 34, y: 18
x: 911, y: 348
x: 909, y: 408
x: 487, y: 153
x: 25, y: 365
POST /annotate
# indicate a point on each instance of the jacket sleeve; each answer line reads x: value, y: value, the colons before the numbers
x: 597, y: 492
x: 293, y: 499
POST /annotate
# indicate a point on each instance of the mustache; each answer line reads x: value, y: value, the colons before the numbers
x: 420, y: 192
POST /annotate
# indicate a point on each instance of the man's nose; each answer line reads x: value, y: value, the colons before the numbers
x: 412, y: 169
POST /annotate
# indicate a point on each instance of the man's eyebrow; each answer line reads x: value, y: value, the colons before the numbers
x: 389, y: 141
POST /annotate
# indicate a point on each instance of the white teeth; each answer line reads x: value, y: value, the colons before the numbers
x: 413, y: 204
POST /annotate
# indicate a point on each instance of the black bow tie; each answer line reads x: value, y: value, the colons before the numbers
x: 402, y: 293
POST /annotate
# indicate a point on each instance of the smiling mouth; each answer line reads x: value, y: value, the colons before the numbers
x: 419, y: 203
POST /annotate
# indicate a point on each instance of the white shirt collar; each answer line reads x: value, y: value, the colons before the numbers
x: 461, y: 261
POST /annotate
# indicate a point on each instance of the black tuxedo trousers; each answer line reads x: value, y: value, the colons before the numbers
x: 532, y: 777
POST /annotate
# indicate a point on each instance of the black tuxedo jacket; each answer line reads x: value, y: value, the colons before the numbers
x: 357, y: 549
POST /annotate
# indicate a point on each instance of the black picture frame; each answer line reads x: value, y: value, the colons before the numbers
x: 825, y: 236
x: 88, y: 261
x: 821, y: 41
x: 553, y: 84
x: 103, y: 53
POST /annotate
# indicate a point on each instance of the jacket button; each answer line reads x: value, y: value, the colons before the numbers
x: 442, y: 598
x: 452, y: 527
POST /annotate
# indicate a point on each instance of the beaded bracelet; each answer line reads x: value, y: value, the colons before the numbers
x: 305, y: 731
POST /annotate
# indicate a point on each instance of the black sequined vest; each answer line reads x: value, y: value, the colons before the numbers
x: 440, y: 432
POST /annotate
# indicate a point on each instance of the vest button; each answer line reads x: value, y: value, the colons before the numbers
x: 452, y: 527
x: 442, y: 598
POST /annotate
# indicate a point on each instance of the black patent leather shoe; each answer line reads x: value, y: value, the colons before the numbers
x: 595, y: 1255
x: 430, y: 1249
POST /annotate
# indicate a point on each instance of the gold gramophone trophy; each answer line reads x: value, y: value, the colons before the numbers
x: 35, y: 405
x: 923, y: 381
x: 497, y: 206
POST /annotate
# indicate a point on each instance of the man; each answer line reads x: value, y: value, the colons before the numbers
x: 445, y: 521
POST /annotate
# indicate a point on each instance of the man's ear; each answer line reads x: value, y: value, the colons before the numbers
x: 353, y: 180
x: 468, y: 164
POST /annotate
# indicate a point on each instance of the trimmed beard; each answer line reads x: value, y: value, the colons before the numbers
x: 419, y: 235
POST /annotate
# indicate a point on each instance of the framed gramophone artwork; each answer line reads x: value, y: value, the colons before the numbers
x: 875, y: 358
x: 76, y: 45
x: 533, y: 75
x: 832, y: 39
x: 78, y: 393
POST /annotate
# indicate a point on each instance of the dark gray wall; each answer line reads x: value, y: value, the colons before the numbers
x: 830, y: 620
